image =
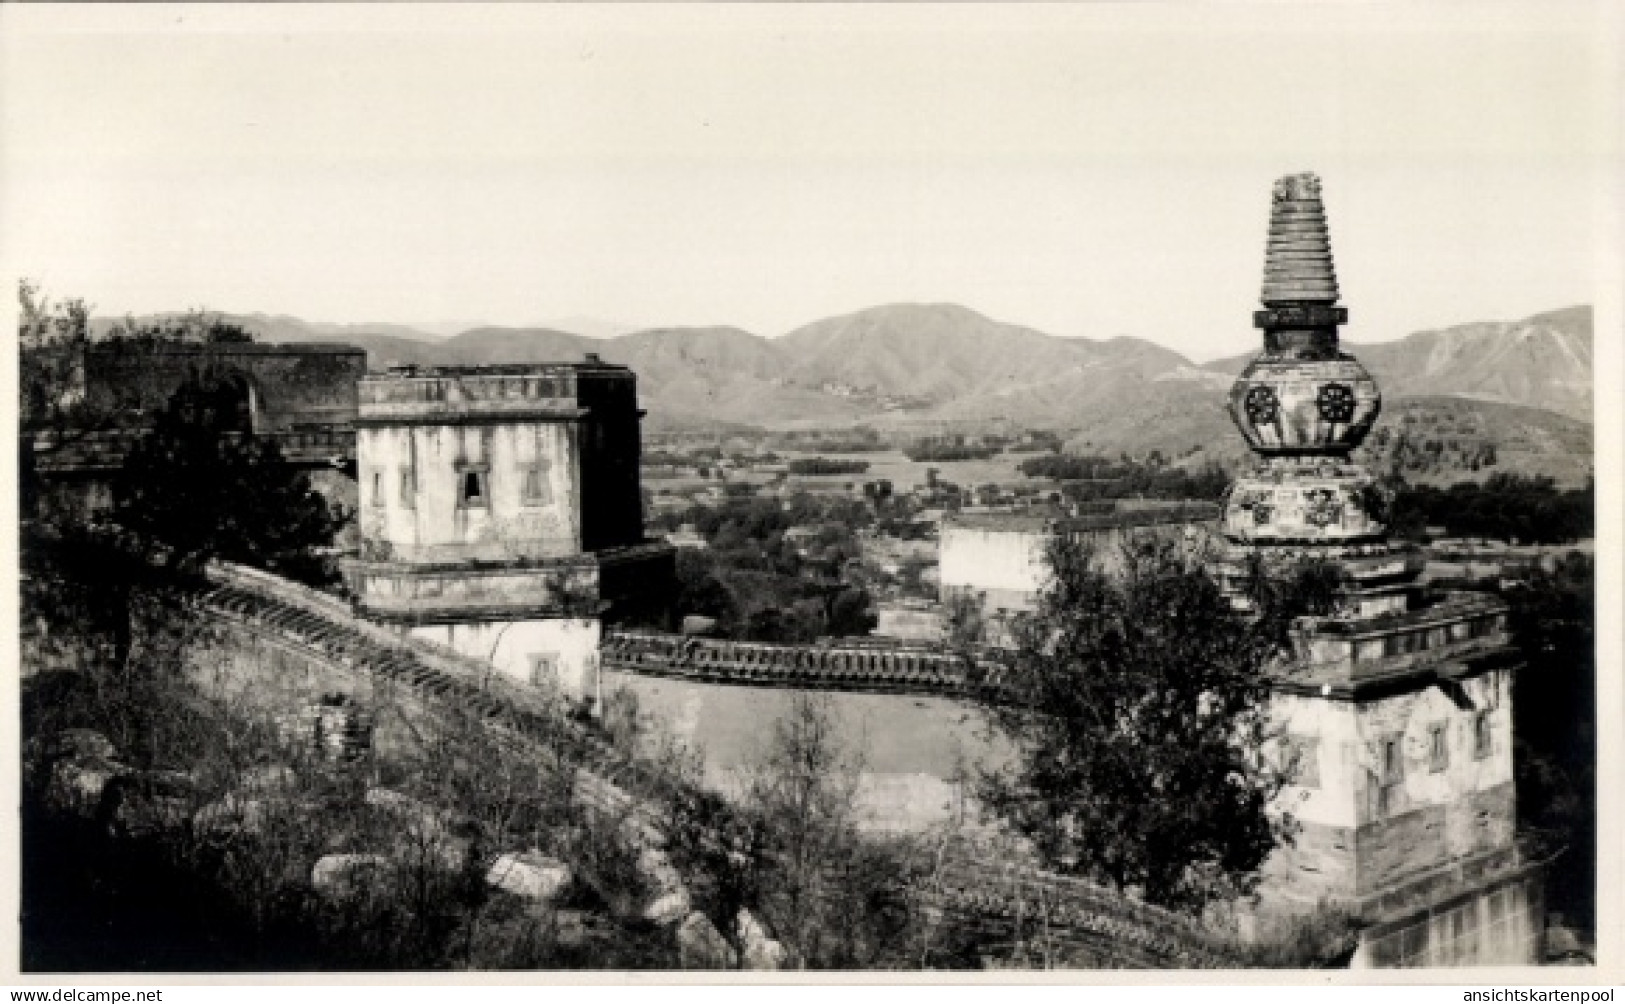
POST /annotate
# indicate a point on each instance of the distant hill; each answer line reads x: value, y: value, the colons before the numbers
x: 1446, y: 439
x: 283, y: 328
x: 591, y: 327
x: 1524, y: 385
x: 695, y: 376
x: 1543, y: 361
x: 514, y: 345
x: 948, y: 358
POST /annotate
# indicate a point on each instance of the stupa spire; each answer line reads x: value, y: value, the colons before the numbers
x: 1298, y: 266
x: 1300, y: 315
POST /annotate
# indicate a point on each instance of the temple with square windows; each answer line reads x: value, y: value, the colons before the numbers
x: 501, y: 513
x: 1393, y: 714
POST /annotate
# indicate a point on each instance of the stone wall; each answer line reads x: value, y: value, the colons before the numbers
x: 909, y: 623
x: 291, y: 385
x: 434, y: 594
x: 1367, y: 825
x: 412, y: 507
x: 1499, y: 924
x: 1004, y: 563
x: 287, y: 645
x: 552, y: 448
x: 557, y: 652
x: 1063, y: 922
x: 1394, y: 848
x: 834, y: 666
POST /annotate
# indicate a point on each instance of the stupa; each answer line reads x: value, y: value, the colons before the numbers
x: 1304, y: 406
x: 1395, y: 713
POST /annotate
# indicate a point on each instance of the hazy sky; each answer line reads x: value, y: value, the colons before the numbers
x: 1091, y: 170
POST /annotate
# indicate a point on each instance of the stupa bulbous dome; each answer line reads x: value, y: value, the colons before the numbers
x: 1285, y: 406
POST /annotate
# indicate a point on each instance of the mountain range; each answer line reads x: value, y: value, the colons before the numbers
x: 932, y: 366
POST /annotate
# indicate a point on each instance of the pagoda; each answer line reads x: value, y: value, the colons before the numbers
x: 1394, y: 715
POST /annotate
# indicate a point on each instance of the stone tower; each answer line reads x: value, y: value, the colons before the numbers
x: 501, y: 512
x: 1395, y: 715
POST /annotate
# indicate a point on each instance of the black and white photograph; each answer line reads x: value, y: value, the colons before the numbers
x: 745, y: 491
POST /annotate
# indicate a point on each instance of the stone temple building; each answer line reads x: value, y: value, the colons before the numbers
x: 302, y: 397
x: 996, y: 561
x: 501, y: 513
x: 1395, y: 714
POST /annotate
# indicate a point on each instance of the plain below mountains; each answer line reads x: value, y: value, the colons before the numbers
x: 938, y: 366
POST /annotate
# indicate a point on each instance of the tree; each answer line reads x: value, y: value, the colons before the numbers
x: 850, y: 614
x: 1554, y: 704
x: 53, y: 338
x: 61, y: 406
x: 199, y: 489
x: 108, y: 594
x: 700, y: 591
x: 1138, y: 719
x: 836, y: 898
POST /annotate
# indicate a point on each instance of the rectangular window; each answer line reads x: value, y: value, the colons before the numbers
x: 1391, y: 775
x: 536, y: 489
x: 1393, y: 760
x: 1300, y: 760
x: 1481, y: 735
x: 378, y: 488
x: 1438, y: 748
x: 409, y: 488
x: 473, y: 487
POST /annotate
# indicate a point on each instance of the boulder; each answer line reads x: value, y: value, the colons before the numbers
x: 670, y: 900
x: 757, y: 949
x: 342, y: 876
x: 81, y: 786
x: 72, y: 769
x: 530, y: 875
x: 657, y: 870
x: 701, y: 946
x: 669, y: 908
x: 694, y: 625
x: 268, y: 779
x: 231, y: 815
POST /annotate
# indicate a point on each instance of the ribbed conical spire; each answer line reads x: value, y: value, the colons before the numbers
x: 1298, y: 258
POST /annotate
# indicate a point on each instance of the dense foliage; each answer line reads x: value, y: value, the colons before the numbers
x: 824, y: 465
x: 200, y: 489
x: 791, y: 850
x: 106, y: 590
x: 1554, y: 706
x: 1140, y: 717
x: 859, y: 440
x: 941, y: 450
x: 760, y: 584
x: 1528, y: 510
